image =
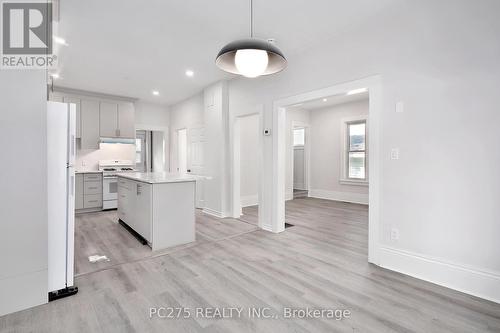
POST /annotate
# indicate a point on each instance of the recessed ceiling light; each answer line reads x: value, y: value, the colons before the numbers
x: 59, y: 40
x: 324, y: 99
x: 156, y: 92
x: 357, y: 91
x: 189, y: 73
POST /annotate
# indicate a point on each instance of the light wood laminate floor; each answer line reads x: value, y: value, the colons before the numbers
x: 321, y: 262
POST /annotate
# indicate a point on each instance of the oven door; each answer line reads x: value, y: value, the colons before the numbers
x: 109, y: 188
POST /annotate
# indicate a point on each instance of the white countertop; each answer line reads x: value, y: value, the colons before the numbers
x: 157, y: 177
x: 88, y: 171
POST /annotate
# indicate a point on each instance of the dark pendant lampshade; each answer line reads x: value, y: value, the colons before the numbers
x: 226, y: 59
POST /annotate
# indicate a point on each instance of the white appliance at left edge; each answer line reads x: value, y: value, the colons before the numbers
x: 61, y: 151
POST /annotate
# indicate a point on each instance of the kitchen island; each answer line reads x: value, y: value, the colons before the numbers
x: 158, y: 207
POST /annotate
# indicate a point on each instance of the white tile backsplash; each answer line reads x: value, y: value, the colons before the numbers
x: 88, y: 159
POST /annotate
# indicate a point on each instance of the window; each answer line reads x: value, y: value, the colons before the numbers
x: 355, y: 154
x: 299, y: 136
x: 356, y: 159
x: 138, y: 151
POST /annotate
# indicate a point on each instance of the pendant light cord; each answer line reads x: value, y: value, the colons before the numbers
x: 251, y: 18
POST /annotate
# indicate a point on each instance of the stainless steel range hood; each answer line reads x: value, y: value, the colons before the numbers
x: 117, y: 141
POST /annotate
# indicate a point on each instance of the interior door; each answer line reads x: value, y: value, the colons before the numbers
x: 182, y: 150
x: 299, y: 158
x: 196, y: 163
x: 299, y: 168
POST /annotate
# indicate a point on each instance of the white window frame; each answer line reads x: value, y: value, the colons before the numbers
x: 344, y: 158
x: 293, y: 136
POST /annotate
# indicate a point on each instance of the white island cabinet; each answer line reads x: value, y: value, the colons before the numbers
x: 160, y: 207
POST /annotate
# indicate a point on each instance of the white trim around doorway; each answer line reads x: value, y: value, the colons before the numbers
x: 374, y: 86
x: 237, y: 201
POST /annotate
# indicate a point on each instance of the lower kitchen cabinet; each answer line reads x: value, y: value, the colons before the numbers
x: 160, y: 208
x: 79, y: 191
x: 134, y: 206
x: 88, y: 192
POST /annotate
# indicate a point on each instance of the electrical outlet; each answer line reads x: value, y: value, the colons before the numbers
x: 394, y: 234
x: 400, y: 107
x: 395, y: 154
x: 84, y: 163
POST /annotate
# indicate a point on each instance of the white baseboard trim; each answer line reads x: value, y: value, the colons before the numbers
x: 213, y: 212
x: 359, y: 198
x: 289, y: 196
x: 249, y: 200
x: 300, y: 186
x: 469, y: 280
x: 268, y: 227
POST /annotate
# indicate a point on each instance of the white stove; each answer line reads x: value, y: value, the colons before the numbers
x: 110, y: 168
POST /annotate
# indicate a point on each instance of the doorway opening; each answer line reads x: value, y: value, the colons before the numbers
x: 343, y: 155
x: 300, y: 161
x: 247, y: 162
x: 150, y: 151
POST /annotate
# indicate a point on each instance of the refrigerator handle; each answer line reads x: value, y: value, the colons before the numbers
x: 73, y: 142
x: 72, y: 182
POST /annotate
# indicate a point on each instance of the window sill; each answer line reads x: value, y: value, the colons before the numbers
x: 354, y: 182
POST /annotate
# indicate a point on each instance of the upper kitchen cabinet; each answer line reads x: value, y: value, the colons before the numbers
x: 117, y: 120
x: 76, y: 101
x: 109, y: 120
x: 89, y: 112
x: 126, y: 120
x: 55, y: 97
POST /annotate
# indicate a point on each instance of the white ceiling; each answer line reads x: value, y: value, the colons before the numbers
x: 130, y: 47
x: 331, y: 101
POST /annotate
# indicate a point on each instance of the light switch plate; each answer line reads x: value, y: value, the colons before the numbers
x: 394, y: 234
x: 395, y: 154
x: 400, y: 107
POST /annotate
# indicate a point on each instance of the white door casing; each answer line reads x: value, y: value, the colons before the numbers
x: 277, y: 165
x: 236, y: 159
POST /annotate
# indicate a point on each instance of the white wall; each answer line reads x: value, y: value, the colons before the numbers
x: 326, y: 150
x: 152, y: 115
x: 186, y: 114
x: 23, y: 173
x: 442, y: 59
x: 249, y: 159
x: 217, y: 155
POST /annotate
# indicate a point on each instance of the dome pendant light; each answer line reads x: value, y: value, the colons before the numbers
x: 251, y: 57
